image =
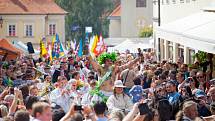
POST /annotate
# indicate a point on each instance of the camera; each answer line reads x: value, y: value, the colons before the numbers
x: 78, y: 108
x: 189, y: 79
x: 143, y: 108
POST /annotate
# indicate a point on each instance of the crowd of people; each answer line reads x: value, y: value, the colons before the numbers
x: 111, y: 87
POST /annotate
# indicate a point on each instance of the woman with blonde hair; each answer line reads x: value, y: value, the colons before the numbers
x: 188, y: 113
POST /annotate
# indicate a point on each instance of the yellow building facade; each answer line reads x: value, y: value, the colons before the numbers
x: 27, y: 24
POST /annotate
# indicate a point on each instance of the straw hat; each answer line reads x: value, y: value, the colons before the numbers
x: 118, y: 83
x: 19, y: 73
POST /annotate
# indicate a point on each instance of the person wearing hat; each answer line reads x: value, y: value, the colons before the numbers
x: 47, y: 70
x: 203, y: 107
x: 107, y: 68
x: 18, y: 80
x: 119, y: 100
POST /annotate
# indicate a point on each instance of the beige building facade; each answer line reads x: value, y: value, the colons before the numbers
x: 27, y: 24
x: 129, y: 17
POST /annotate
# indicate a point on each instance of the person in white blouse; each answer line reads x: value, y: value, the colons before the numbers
x: 87, y: 97
x: 60, y: 95
x: 119, y: 100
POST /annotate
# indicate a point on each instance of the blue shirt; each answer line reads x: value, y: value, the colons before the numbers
x: 18, y: 82
x: 102, y: 119
x: 173, y: 97
x: 136, y: 93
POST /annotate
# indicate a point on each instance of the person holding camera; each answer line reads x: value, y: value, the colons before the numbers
x: 142, y: 112
x: 119, y: 100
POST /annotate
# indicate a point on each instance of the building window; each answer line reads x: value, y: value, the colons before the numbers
x: 141, y: 3
x: 163, y: 2
x: 167, y: 2
x: 12, y: 30
x: 181, y: 1
x: 174, y: 1
x: 181, y: 51
x: 28, y: 30
x: 170, y: 50
x: 187, y: 1
x: 191, y: 54
x: 52, y: 29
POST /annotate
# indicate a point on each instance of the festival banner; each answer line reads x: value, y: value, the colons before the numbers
x: 80, y: 50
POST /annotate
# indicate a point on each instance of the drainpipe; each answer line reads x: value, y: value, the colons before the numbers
x: 159, y: 23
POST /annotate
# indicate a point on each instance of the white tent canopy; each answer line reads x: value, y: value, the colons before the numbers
x: 196, y: 31
x: 23, y: 47
x: 131, y: 45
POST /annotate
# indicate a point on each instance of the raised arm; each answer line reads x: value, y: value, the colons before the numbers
x: 131, y: 115
x: 94, y: 64
x: 127, y: 65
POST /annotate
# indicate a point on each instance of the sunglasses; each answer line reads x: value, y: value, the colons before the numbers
x: 159, y: 91
x: 199, y: 77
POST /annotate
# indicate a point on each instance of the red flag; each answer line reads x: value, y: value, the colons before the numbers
x: 100, y: 47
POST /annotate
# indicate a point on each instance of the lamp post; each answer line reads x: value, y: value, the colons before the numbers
x: 1, y: 21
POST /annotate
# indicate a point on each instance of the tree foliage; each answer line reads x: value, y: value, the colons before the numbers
x: 84, y: 13
x: 145, y: 32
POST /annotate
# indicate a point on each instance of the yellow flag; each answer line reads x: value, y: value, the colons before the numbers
x: 43, y: 50
x: 96, y: 39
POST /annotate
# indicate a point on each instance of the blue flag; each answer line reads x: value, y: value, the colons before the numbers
x: 80, y: 50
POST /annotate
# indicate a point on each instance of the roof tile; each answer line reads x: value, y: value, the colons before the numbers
x: 30, y: 7
x: 116, y: 11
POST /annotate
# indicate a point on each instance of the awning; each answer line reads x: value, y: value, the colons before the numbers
x: 131, y: 45
x: 196, y: 31
x: 20, y: 45
x: 6, y: 48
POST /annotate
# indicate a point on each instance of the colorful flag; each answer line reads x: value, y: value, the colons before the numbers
x: 76, y: 50
x: 55, y: 48
x: 91, y: 43
x: 50, y: 50
x: 95, y: 41
x: 72, y: 45
x: 97, y: 46
x: 61, y: 49
x: 100, y: 47
x: 43, y: 51
x: 80, y: 50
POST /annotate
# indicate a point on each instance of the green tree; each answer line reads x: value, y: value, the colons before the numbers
x: 84, y: 13
x: 145, y: 32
